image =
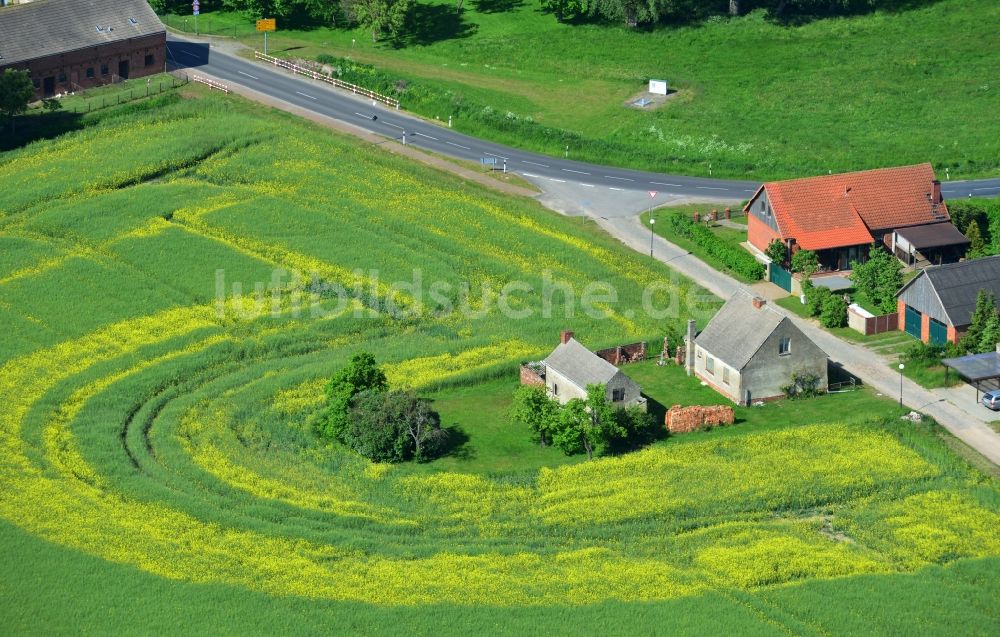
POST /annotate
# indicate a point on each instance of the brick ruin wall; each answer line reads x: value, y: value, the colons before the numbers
x: 530, y: 376
x: 684, y: 419
x: 623, y: 353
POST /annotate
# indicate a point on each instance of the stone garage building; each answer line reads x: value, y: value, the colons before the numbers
x: 748, y: 351
x: 69, y: 45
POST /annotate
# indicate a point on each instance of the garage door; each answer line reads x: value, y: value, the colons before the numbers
x: 938, y: 333
x: 913, y: 322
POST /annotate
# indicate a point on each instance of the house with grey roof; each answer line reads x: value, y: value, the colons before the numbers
x: 571, y: 367
x: 68, y: 45
x: 936, y: 306
x: 749, y: 350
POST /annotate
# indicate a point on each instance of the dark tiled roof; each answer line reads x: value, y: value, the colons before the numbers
x: 738, y: 330
x: 579, y: 365
x: 933, y: 235
x: 49, y: 27
x: 958, y: 285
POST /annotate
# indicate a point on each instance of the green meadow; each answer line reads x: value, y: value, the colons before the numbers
x: 180, y: 276
x: 754, y: 99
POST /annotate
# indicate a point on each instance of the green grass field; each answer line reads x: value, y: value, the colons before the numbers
x: 160, y: 475
x: 754, y: 99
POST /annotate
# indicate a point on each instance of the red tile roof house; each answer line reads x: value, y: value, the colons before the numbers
x: 839, y: 216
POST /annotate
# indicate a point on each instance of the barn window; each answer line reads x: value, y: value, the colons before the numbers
x: 62, y: 78
x: 555, y: 389
x: 104, y: 69
x: 710, y: 365
x: 90, y: 71
x: 36, y: 82
x: 784, y: 346
x: 617, y: 395
x: 725, y: 375
x: 149, y: 60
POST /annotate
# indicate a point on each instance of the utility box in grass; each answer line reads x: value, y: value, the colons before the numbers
x: 658, y: 87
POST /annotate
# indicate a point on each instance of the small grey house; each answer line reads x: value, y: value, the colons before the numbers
x: 937, y: 305
x: 749, y: 350
x: 571, y: 367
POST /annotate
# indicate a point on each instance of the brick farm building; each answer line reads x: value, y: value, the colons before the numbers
x: 69, y: 45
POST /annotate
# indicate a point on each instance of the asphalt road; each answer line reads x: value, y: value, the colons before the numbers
x: 394, y: 124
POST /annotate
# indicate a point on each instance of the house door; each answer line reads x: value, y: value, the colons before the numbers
x: 49, y: 86
x: 123, y: 69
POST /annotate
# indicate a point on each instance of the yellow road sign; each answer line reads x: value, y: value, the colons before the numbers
x: 267, y: 25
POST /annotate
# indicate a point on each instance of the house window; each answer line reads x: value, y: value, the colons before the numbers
x: 555, y: 389
x: 617, y: 395
x: 90, y: 72
x: 710, y: 365
x: 784, y: 346
x: 149, y: 60
x: 104, y: 69
x: 62, y: 78
x: 36, y: 82
x: 725, y: 375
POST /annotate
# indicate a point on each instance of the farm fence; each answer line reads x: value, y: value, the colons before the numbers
x: 301, y: 70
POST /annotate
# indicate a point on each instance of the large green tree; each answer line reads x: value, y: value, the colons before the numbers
x: 360, y: 374
x: 879, y: 279
x: 380, y: 16
x: 532, y: 408
x: 805, y: 262
x: 589, y: 425
x: 393, y: 426
x: 16, y: 91
x: 978, y: 338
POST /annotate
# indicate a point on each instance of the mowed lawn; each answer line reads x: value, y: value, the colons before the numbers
x: 754, y: 99
x: 180, y: 276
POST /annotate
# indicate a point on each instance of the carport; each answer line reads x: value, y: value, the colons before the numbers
x: 974, y: 368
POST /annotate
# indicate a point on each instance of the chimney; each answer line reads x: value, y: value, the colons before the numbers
x: 936, y: 193
x: 692, y: 331
x: 759, y: 302
x: 564, y: 336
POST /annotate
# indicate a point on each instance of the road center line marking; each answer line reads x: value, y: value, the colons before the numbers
x: 304, y: 95
x: 660, y: 183
x: 427, y: 136
x: 579, y: 172
x: 454, y: 144
x: 613, y: 188
x: 393, y: 125
x: 252, y: 77
x: 559, y: 181
x: 990, y: 188
x: 587, y: 185
x: 710, y: 188
x: 535, y: 163
x: 618, y: 178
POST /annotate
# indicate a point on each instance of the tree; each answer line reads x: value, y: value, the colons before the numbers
x: 991, y: 334
x: 983, y: 317
x: 533, y: 408
x: 816, y: 297
x: 805, y: 262
x: 879, y: 279
x: 16, y: 91
x: 360, y: 374
x: 393, y: 426
x: 977, y: 247
x: 380, y: 16
x: 589, y: 424
x: 834, y: 312
x: 776, y: 252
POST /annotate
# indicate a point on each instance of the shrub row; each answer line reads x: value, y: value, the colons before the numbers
x: 732, y: 257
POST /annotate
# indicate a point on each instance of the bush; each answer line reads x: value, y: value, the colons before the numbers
x: 803, y: 385
x: 920, y: 352
x: 736, y: 259
x: 816, y: 297
x: 834, y: 312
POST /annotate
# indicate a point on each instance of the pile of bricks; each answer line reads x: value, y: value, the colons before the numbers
x: 684, y: 419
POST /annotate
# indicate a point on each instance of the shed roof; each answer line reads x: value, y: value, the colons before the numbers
x: 933, y: 235
x: 841, y: 210
x: 976, y: 367
x: 958, y: 285
x: 579, y: 365
x: 738, y: 330
x: 49, y: 27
